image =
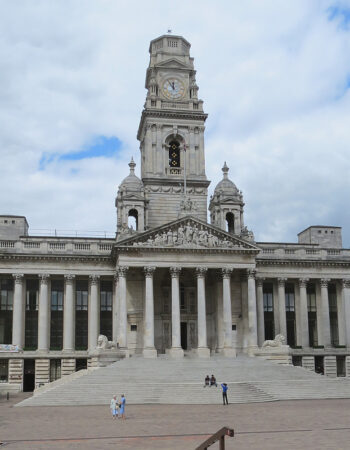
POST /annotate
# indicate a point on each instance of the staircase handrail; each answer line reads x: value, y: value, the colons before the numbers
x: 218, y: 436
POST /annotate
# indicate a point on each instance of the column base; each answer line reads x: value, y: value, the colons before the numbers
x: 175, y: 352
x: 252, y: 350
x: 229, y: 352
x: 149, y: 353
x: 202, y: 352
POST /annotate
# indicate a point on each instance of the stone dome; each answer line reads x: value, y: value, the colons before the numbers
x: 132, y: 182
x: 226, y: 186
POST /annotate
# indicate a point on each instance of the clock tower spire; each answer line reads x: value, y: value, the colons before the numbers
x: 171, y: 135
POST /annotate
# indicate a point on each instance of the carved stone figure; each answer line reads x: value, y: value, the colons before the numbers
x: 104, y: 344
x: 277, y: 342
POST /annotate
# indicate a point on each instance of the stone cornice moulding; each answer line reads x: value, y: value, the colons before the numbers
x: 300, y: 263
x: 47, y: 257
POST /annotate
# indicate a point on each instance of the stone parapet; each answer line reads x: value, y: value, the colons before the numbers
x: 67, y: 366
x: 16, y: 371
x: 42, y: 372
x: 330, y: 366
x: 308, y: 362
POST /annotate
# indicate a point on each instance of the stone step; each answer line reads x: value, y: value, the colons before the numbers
x: 166, y: 381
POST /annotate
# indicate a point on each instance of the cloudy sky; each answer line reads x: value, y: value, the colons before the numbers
x: 274, y: 76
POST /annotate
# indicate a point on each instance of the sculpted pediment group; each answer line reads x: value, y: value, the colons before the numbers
x: 188, y: 233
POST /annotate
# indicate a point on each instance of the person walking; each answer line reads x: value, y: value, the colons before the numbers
x: 224, y: 393
x: 114, y: 407
x: 122, y: 407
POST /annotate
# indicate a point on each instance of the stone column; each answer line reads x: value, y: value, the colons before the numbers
x: 149, y: 350
x: 202, y: 350
x: 123, y: 318
x: 346, y: 302
x: 260, y: 310
x: 326, y: 326
x: 227, y: 312
x: 282, y: 307
x: 94, y: 312
x: 341, y: 314
x: 303, y: 313
x: 176, y: 351
x: 18, y: 312
x: 115, y: 316
x: 44, y: 314
x: 68, y: 314
x: 252, y: 316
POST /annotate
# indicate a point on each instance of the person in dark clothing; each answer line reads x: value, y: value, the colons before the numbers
x: 213, y: 381
x: 224, y: 393
x: 206, y: 381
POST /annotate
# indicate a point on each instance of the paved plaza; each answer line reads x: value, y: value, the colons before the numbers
x: 302, y: 424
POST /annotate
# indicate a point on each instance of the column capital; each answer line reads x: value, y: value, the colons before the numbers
x: 116, y: 276
x: 149, y: 271
x: 259, y: 281
x: 281, y: 281
x: 226, y: 272
x: 303, y: 282
x: 18, y: 277
x: 122, y: 270
x: 201, y: 271
x: 44, y: 278
x: 94, y: 279
x: 69, y: 277
x: 324, y: 282
x: 175, y: 271
x: 251, y: 273
x: 346, y: 282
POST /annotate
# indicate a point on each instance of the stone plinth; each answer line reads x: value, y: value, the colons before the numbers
x: 175, y: 352
x: 280, y: 355
x: 103, y: 357
x: 149, y: 353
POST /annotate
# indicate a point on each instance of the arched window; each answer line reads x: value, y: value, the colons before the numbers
x: 133, y: 219
x: 174, y: 154
x: 230, y: 222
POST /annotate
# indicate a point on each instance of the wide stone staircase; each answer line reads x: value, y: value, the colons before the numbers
x: 168, y: 381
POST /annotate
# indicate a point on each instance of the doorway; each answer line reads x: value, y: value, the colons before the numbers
x: 184, y: 335
x: 29, y: 375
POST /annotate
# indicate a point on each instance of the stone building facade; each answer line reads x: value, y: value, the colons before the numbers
x: 173, y: 283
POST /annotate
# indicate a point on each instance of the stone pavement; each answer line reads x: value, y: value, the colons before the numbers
x: 298, y: 424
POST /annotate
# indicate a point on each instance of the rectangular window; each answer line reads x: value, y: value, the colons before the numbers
x: 106, y: 302
x: 290, y: 300
x: 311, y: 298
x: 6, y: 306
x: 4, y: 370
x: 56, y: 328
x: 182, y: 299
x: 55, y: 369
x: 133, y: 327
x: 268, y: 297
x: 81, y: 314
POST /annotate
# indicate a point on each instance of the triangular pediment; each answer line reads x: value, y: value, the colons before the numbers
x: 187, y: 233
x: 172, y: 63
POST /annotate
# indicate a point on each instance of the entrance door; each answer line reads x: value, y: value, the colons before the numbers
x: 184, y: 335
x: 29, y: 375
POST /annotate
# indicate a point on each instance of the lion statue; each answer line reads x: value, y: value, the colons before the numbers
x: 277, y: 342
x: 103, y: 343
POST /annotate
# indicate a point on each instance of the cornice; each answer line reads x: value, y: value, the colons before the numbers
x: 170, y: 114
x: 301, y: 263
x: 136, y: 250
x: 60, y: 258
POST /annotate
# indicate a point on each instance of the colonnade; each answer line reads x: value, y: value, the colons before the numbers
x: 301, y: 311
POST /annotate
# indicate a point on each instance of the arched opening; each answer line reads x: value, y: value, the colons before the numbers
x: 174, y: 154
x: 230, y: 222
x: 133, y: 219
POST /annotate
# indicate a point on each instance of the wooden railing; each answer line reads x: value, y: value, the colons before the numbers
x: 218, y: 436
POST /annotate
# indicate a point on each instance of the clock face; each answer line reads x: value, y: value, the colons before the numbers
x: 173, y: 89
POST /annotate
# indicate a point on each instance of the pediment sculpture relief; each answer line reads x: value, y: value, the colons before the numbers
x: 186, y: 235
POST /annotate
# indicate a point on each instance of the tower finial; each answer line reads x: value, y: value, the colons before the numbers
x: 225, y: 170
x: 132, y: 165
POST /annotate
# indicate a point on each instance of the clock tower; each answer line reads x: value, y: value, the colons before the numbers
x: 171, y: 135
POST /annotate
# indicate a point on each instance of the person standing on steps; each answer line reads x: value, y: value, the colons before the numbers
x: 114, y: 407
x: 122, y: 407
x: 224, y: 393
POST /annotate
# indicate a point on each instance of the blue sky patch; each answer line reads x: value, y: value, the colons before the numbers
x: 101, y: 146
x: 341, y: 14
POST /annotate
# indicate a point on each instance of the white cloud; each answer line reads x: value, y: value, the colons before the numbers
x: 273, y: 76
